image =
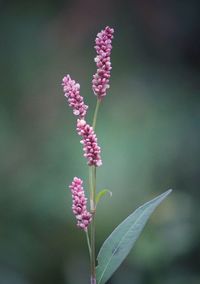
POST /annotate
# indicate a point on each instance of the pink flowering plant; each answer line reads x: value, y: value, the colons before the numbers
x: 117, y: 246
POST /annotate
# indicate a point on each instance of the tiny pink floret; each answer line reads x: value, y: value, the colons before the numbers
x: 79, y: 204
x: 103, y: 47
x: 89, y: 140
x: 71, y: 91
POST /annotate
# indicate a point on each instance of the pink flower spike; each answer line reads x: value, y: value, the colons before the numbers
x: 100, y: 82
x: 90, y: 146
x: 71, y: 91
x: 79, y: 204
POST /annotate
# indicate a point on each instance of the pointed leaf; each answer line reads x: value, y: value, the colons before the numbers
x: 117, y: 246
x: 101, y: 194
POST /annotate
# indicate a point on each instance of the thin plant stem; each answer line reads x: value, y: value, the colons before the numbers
x: 93, y: 212
x: 93, y: 254
x: 92, y: 184
x: 96, y: 113
x: 88, y: 243
x: 92, y: 193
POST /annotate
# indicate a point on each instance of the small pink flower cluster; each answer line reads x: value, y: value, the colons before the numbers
x: 100, y: 82
x: 79, y: 207
x: 89, y: 141
x: 72, y: 93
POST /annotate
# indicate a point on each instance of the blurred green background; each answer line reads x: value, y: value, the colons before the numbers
x: 148, y: 128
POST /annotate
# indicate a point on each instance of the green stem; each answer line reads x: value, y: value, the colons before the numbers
x: 88, y: 243
x: 92, y: 184
x: 92, y: 178
x: 96, y: 113
x: 92, y: 191
x: 93, y: 254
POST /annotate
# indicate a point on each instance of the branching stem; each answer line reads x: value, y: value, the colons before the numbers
x: 92, y: 184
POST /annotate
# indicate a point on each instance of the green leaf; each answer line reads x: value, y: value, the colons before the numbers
x: 117, y: 246
x: 101, y: 194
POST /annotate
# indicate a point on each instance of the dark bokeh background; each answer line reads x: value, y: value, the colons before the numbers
x: 148, y: 129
